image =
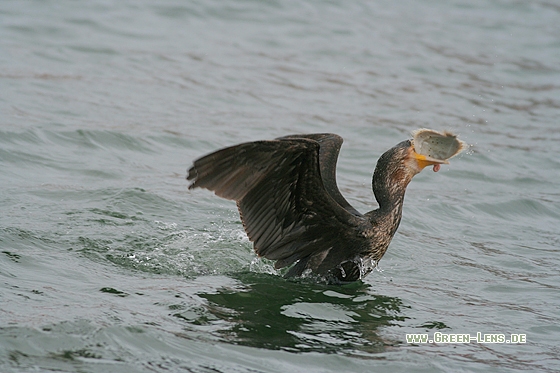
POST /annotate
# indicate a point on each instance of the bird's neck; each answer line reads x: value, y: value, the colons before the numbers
x: 389, y: 189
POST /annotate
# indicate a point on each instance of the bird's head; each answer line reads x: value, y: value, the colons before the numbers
x: 398, y: 165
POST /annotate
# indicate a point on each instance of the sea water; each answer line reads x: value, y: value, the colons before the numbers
x: 109, y: 264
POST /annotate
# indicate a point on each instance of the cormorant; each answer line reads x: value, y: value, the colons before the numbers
x: 291, y: 207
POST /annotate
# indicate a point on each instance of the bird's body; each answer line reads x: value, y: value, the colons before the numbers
x: 291, y: 207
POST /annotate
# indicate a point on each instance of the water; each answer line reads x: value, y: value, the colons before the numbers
x: 108, y: 263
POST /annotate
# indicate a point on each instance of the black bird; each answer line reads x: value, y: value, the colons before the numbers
x: 291, y: 207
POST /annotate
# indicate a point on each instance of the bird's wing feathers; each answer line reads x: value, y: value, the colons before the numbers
x: 328, y: 156
x: 282, y: 200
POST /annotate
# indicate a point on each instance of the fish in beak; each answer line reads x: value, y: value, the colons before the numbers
x: 432, y: 148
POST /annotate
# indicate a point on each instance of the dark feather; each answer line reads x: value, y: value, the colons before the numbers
x: 287, y: 197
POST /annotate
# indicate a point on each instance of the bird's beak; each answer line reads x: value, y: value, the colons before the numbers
x: 424, y: 160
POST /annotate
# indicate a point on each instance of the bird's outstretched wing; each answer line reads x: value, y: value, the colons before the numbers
x: 329, y: 148
x: 285, y: 208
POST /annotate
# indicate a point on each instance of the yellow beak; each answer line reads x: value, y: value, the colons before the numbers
x: 424, y: 160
